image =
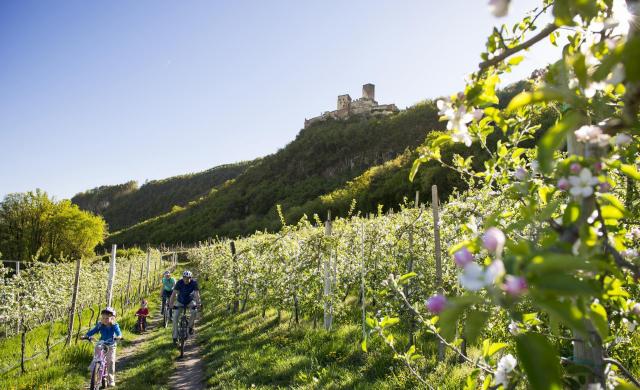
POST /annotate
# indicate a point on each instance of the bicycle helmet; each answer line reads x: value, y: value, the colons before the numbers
x: 187, y: 274
x: 109, y: 310
x: 166, y: 273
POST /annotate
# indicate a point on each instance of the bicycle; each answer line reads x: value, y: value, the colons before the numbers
x: 140, y: 324
x: 183, y: 328
x: 166, y: 311
x: 98, y: 366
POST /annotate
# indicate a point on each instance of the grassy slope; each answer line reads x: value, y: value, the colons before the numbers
x: 246, y: 350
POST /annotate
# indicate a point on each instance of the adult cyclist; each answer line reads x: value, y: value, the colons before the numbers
x: 168, y: 283
x: 187, y: 293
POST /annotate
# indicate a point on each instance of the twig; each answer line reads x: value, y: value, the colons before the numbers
x: 435, y: 332
x: 623, y: 369
x: 620, y: 261
x: 523, y: 46
x: 409, y: 366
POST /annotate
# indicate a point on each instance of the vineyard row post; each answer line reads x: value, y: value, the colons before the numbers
x: 436, y: 238
x: 112, y: 274
x: 407, y: 290
x: 74, y: 297
x: 128, y: 291
x: 146, y: 282
x: 328, y: 309
x: 234, y: 265
x: 363, y: 294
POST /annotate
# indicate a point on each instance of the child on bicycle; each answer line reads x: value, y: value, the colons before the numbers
x: 143, y: 313
x: 109, y: 333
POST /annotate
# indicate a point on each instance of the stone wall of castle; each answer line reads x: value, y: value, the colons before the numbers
x: 347, y: 107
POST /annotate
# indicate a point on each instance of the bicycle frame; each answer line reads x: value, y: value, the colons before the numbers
x: 99, y: 356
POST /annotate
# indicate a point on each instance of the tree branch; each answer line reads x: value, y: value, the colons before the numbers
x: 523, y: 46
x: 624, y: 370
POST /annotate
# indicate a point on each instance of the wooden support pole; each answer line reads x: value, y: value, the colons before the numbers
x: 112, y: 274
x: 435, y: 205
x: 146, y: 283
x: 234, y: 270
x: 328, y: 309
x: 74, y: 298
x: 140, y: 281
x: 363, y: 291
x: 128, y: 291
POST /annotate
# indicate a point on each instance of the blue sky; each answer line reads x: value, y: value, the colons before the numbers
x: 101, y: 92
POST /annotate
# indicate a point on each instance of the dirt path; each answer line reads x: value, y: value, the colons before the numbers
x: 124, y: 356
x: 189, y: 372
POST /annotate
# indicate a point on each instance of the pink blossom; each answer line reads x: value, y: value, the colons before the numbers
x: 636, y: 309
x: 597, y: 167
x: 463, y: 257
x: 604, y: 187
x: 436, y: 303
x: 564, y: 184
x: 575, y: 168
x: 514, y: 285
x: 493, y: 239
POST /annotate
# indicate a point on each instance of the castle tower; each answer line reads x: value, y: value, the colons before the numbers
x: 344, y: 102
x: 369, y: 91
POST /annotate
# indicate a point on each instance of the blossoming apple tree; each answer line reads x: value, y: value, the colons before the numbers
x: 560, y: 259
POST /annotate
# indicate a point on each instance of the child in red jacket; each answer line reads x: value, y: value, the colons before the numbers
x: 142, y: 314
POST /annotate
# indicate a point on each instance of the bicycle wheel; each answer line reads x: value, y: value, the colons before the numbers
x: 182, y: 347
x: 96, y: 376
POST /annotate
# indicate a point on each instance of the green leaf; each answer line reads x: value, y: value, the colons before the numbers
x: 414, y: 169
x: 554, y: 138
x: 571, y: 213
x: 550, y: 262
x: 474, y: 324
x: 470, y: 383
x: 562, y: 13
x: 371, y: 322
x: 630, y: 57
x: 405, y: 278
x: 614, y: 201
x: 516, y: 60
x: 541, y: 95
x: 449, y: 316
x: 630, y: 170
x: 444, y: 139
x: 610, y: 212
x: 489, y: 349
x: 363, y: 345
x: 598, y: 315
x: 564, y: 285
x: 540, y: 361
x: 389, y: 321
x: 564, y: 312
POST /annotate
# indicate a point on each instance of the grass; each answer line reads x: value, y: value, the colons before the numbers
x: 247, y: 351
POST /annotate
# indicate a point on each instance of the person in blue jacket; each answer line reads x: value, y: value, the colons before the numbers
x: 109, y: 333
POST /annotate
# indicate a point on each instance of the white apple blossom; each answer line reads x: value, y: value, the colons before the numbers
x: 494, y: 271
x: 622, y: 139
x: 499, y: 8
x: 582, y: 185
x: 505, y: 366
x: 472, y: 278
x: 514, y: 328
x: 592, y: 134
x: 458, y: 118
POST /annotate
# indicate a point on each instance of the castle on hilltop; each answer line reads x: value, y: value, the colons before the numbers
x: 366, y: 105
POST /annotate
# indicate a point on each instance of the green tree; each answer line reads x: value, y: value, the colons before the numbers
x: 34, y: 226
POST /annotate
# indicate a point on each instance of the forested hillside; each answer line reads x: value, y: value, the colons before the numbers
x: 126, y: 204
